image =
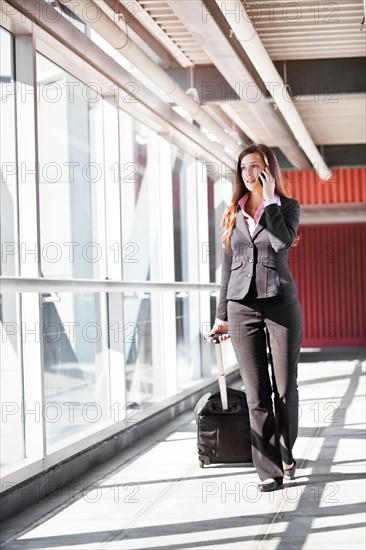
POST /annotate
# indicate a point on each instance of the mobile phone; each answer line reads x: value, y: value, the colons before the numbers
x: 261, y: 175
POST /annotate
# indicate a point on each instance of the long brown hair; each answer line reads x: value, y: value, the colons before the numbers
x: 229, y: 217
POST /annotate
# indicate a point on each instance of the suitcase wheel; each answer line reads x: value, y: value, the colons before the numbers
x: 203, y: 459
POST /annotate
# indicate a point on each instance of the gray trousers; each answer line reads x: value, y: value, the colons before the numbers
x: 271, y: 389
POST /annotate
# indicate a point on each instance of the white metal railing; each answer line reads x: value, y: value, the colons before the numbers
x: 35, y: 284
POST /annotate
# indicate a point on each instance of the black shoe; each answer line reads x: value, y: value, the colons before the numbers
x: 270, y: 485
x: 290, y: 472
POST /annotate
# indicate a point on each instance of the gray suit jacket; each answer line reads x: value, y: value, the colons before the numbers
x: 262, y: 257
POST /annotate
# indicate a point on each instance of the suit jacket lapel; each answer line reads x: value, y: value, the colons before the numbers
x: 241, y: 225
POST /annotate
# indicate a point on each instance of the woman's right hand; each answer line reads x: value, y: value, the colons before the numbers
x: 221, y: 328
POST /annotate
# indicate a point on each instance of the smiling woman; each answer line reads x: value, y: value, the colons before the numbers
x: 252, y: 162
x: 258, y: 307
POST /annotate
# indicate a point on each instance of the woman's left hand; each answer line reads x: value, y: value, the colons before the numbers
x: 268, y: 183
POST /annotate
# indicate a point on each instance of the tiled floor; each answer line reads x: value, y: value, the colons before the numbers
x: 154, y: 495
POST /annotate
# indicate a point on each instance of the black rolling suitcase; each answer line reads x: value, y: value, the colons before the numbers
x: 223, y: 429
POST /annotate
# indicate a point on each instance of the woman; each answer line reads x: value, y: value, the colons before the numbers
x: 258, y: 307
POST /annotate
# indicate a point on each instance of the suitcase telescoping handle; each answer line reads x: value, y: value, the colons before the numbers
x: 220, y: 370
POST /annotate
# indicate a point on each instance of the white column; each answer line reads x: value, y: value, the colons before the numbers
x: 164, y: 326
x: 162, y: 267
x: 113, y: 250
x: 203, y: 264
x: 193, y: 211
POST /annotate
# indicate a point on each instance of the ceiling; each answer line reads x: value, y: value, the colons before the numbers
x: 226, y: 73
x: 317, y: 50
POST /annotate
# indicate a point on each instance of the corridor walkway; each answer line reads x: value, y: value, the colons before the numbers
x: 155, y: 496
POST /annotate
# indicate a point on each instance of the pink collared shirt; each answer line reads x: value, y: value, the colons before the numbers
x: 253, y: 222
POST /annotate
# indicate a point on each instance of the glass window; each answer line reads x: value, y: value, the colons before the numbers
x: 8, y: 182
x: 75, y: 358
x: 72, y: 215
x: 12, y: 446
x: 139, y: 175
x: 184, y: 182
x: 140, y: 387
x: 184, y: 197
x: 72, y: 230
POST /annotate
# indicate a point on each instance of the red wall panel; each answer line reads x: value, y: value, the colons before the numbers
x: 330, y: 271
x: 346, y: 185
